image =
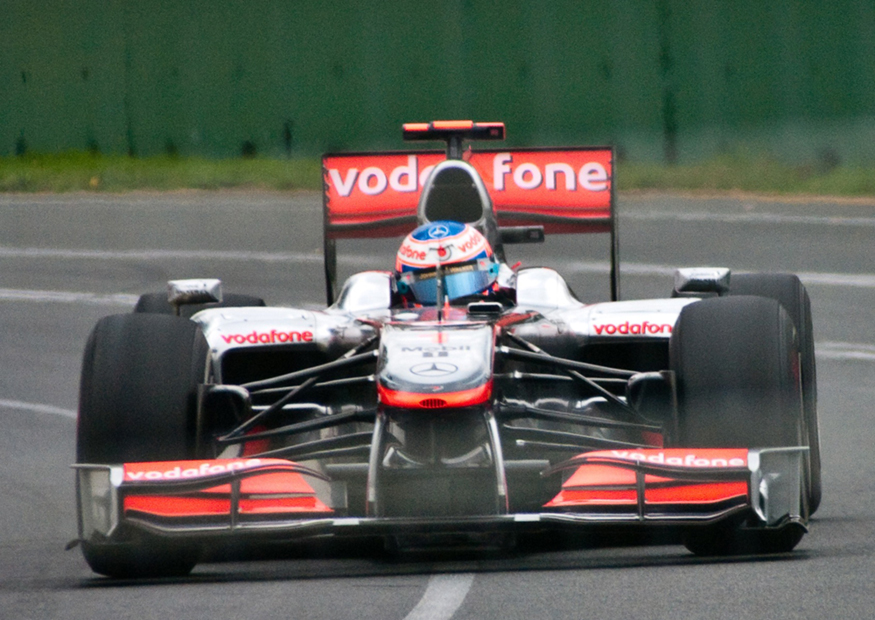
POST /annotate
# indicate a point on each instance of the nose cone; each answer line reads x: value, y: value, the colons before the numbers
x: 435, y: 361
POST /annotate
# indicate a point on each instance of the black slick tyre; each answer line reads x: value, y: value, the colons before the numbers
x: 791, y: 294
x: 156, y: 303
x: 722, y: 541
x: 137, y: 402
x: 736, y: 364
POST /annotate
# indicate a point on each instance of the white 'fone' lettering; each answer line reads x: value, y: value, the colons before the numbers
x: 592, y: 175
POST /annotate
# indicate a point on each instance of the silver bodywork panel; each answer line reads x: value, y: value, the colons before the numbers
x: 367, y: 295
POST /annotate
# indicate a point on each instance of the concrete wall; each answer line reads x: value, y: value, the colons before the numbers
x: 661, y: 79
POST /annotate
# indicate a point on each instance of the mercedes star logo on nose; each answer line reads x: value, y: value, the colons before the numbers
x: 434, y: 369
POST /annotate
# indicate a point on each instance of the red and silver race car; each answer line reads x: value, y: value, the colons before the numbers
x: 454, y: 397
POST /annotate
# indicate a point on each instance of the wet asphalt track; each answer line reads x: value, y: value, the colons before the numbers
x: 67, y: 260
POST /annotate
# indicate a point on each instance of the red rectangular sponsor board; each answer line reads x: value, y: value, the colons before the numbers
x: 566, y: 190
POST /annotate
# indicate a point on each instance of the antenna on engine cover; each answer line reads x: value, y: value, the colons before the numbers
x: 453, y: 133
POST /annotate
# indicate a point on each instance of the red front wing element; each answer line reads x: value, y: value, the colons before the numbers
x: 644, y: 480
x: 655, y: 477
x: 254, y: 486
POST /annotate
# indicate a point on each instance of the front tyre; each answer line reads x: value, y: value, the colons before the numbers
x: 789, y: 291
x: 714, y: 540
x: 138, y: 402
x: 736, y: 363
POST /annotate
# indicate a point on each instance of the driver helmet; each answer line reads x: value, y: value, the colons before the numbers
x: 456, y: 251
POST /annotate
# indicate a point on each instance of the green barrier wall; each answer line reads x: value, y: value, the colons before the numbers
x: 661, y: 79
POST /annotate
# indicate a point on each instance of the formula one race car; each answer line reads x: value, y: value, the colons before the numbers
x: 454, y: 398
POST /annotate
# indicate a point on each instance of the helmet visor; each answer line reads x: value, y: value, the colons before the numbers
x: 459, y: 280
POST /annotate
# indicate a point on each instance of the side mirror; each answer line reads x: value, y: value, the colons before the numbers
x: 701, y: 280
x: 521, y: 234
x: 183, y: 292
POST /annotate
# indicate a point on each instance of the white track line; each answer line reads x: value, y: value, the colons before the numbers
x: 100, y: 299
x: 748, y: 218
x: 854, y: 280
x: 143, y: 255
x: 37, y: 408
x: 845, y: 351
x: 860, y: 280
x: 443, y: 596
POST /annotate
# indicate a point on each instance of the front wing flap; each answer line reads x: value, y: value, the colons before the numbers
x: 265, y: 496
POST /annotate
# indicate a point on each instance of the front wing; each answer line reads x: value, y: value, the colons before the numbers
x: 265, y: 497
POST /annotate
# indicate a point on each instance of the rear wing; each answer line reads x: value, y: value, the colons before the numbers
x: 568, y: 190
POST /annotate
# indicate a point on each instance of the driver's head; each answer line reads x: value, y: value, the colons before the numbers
x: 457, y: 251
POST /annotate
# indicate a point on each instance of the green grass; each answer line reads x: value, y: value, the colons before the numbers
x: 750, y: 174
x: 106, y: 173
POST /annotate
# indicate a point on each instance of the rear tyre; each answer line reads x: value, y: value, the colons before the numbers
x: 156, y: 303
x: 736, y: 364
x: 137, y: 402
x: 791, y: 294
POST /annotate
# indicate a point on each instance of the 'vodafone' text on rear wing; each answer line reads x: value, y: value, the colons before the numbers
x: 569, y: 190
